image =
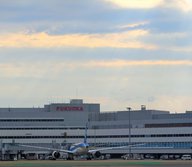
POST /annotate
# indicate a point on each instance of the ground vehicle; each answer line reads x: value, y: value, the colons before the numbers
x: 186, y: 157
x: 133, y: 156
x: 164, y: 157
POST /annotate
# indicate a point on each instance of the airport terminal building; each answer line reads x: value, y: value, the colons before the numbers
x: 61, y: 124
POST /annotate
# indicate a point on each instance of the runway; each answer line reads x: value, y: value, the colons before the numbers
x: 96, y: 163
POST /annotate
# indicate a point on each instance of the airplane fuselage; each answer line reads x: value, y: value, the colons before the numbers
x: 79, y: 149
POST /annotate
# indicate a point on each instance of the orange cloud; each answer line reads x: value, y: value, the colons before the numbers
x: 124, y: 63
x: 129, y: 39
x: 55, y: 67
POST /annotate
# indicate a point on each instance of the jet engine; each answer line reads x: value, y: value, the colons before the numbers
x: 56, y: 154
x: 97, y: 154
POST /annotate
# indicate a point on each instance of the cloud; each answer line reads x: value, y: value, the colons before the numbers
x: 48, y: 10
x: 175, y: 103
x: 126, y: 63
x: 94, y: 16
x: 133, y: 47
x: 133, y: 25
x: 172, y: 41
x: 135, y: 3
x: 129, y: 39
x: 169, y: 16
x: 183, y: 5
x: 181, y: 49
x: 56, y: 68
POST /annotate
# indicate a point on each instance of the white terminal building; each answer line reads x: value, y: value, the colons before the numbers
x: 61, y: 124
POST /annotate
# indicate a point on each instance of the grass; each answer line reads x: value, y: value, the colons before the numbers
x: 104, y: 163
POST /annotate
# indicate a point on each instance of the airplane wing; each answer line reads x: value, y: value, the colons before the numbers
x: 46, y: 148
x: 111, y: 148
x: 107, y: 148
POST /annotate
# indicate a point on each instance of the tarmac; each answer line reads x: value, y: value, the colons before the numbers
x: 96, y: 163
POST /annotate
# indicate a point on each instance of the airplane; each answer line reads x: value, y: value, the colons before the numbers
x: 79, y: 149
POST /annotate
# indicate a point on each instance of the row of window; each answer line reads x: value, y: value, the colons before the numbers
x: 142, y: 136
x: 40, y: 128
x: 111, y: 136
x: 31, y: 137
x: 31, y: 120
x: 168, y: 125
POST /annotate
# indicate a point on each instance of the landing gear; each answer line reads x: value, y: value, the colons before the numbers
x: 89, y: 156
x: 70, y: 157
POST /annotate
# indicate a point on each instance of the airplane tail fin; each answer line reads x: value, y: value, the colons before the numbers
x: 85, y: 137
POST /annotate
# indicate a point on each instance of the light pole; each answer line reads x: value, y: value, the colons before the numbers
x: 129, y: 109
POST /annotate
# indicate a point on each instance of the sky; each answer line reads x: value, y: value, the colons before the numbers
x: 119, y: 53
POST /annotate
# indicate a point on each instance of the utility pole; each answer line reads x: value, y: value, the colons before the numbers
x: 129, y: 109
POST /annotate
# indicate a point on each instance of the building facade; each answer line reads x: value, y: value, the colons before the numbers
x: 61, y: 124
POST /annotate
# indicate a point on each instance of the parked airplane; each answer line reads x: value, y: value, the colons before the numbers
x: 79, y: 149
